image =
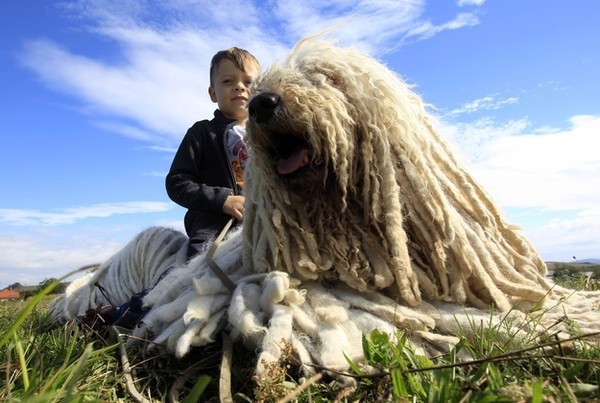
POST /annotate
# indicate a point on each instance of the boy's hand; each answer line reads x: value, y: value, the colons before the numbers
x: 234, y: 206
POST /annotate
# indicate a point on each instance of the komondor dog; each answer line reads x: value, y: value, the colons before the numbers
x: 358, y: 217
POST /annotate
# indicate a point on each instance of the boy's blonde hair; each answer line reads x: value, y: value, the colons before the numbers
x: 241, y: 58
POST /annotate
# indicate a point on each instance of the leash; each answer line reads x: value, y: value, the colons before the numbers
x: 213, y: 265
x: 227, y: 352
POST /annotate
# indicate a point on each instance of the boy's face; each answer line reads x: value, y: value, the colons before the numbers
x: 230, y: 89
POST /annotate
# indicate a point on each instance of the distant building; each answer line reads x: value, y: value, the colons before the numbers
x: 9, y: 295
x: 31, y: 289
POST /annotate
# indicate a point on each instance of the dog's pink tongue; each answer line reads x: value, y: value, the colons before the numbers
x: 293, y: 162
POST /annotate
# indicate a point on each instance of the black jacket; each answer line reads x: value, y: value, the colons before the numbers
x: 201, y: 178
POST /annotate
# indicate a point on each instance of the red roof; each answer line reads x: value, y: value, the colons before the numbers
x: 9, y: 294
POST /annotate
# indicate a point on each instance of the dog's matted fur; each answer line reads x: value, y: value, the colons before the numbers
x: 358, y: 217
x: 351, y: 182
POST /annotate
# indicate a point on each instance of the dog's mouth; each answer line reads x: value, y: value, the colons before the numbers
x: 278, y: 133
x: 291, y: 154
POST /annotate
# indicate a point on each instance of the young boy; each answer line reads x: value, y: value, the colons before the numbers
x: 206, y: 173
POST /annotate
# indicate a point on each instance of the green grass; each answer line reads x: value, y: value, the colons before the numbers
x: 577, y: 276
x: 40, y: 362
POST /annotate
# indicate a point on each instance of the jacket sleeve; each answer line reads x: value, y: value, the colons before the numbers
x: 190, y: 183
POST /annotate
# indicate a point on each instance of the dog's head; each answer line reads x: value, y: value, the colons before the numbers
x: 323, y: 130
x: 314, y: 118
x: 299, y: 122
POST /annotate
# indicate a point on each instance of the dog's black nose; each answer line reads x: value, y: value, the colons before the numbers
x: 262, y: 106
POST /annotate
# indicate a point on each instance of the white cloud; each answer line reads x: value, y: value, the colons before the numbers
x: 155, y: 83
x: 487, y: 103
x: 559, y: 239
x: 379, y: 20
x: 462, y: 3
x: 169, y: 150
x: 17, y: 252
x: 73, y: 214
x: 523, y: 167
x: 533, y: 172
x: 30, y: 254
x: 28, y: 257
x: 163, y: 96
x: 426, y: 29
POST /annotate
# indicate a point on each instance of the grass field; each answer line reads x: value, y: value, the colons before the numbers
x: 40, y: 362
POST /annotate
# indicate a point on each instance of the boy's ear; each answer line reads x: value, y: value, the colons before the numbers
x: 212, y: 93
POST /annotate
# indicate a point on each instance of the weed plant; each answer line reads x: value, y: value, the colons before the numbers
x: 40, y: 362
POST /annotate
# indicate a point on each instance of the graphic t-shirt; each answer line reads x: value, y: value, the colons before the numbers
x: 238, y: 152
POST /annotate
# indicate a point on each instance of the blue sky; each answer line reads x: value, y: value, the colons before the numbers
x: 96, y: 96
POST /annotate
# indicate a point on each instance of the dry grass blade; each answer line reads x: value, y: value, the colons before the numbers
x: 131, y: 388
x: 296, y: 392
x: 225, y: 378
